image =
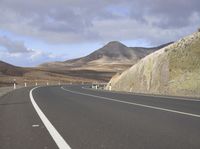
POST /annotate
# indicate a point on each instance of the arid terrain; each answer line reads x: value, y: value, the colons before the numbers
x: 113, y: 57
x: 9, y: 73
x: 98, y: 66
x: 172, y: 70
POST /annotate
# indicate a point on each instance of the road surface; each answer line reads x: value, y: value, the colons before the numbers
x: 75, y: 117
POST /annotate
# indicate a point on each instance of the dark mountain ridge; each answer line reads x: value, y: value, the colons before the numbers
x: 114, y: 52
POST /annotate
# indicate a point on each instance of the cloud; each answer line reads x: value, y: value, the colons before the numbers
x: 168, y: 14
x: 75, y: 21
x: 34, y: 58
x: 79, y: 22
x: 13, y: 46
x: 18, y: 54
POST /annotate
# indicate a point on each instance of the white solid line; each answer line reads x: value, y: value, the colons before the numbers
x: 135, y: 104
x: 61, y: 143
x: 150, y: 95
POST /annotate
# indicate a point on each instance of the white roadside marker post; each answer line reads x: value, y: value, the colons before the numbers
x: 110, y: 88
x: 14, y: 86
x: 25, y: 85
x: 47, y: 83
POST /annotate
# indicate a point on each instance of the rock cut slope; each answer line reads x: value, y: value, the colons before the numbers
x: 172, y: 70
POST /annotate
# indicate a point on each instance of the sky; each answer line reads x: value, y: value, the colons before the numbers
x: 36, y: 31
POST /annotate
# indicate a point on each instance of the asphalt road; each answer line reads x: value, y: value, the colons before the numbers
x: 78, y: 118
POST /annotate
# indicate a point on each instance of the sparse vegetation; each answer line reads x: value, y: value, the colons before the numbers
x: 41, y: 76
x: 174, y: 71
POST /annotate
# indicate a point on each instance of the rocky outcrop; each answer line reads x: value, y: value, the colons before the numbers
x: 172, y: 70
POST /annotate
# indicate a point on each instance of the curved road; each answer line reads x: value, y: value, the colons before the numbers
x: 78, y: 118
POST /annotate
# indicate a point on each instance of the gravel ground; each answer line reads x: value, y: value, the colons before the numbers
x: 5, y: 90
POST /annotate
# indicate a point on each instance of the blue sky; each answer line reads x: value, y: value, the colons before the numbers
x: 34, y: 32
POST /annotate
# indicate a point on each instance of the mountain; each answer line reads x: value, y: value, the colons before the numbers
x: 113, y: 57
x: 8, y: 69
x: 172, y: 70
x: 100, y: 66
x: 9, y: 72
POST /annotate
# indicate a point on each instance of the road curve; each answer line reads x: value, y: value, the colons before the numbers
x: 89, y: 119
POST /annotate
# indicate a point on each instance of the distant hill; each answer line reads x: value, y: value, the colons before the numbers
x: 100, y: 65
x: 172, y: 70
x: 9, y: 72
x: 8, y: 69
x: 114, y: 57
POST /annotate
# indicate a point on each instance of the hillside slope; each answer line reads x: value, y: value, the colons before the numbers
x: 8, y: 69
x: 172, y: 70
x: 9, y: 73
x: 114, y: 57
